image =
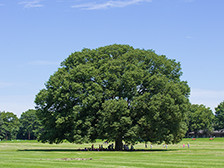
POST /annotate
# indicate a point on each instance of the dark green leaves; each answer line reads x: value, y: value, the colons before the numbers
x: 9, y: 125
x: 200, y: 118
x: 29, y: 125
x: 219, y: 116
x: 116, y: 93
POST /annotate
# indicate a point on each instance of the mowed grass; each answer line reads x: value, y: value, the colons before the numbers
x: 31, y: 154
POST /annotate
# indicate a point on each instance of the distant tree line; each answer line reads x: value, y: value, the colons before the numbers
x: 25, y: 127
x: 200, y: 118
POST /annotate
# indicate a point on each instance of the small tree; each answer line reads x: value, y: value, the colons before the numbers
x: 29, y: 125
x: 219, y: 116
x: 10, y: 125
x: 200, y: 118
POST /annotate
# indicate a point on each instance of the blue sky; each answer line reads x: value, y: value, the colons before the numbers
x: 37, y: 35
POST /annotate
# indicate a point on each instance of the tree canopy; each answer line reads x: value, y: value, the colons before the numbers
x: 9, y: 125
x: 29, y: 125
x: 200, y: 118
x: 115, y: 93
x: 219, y: 116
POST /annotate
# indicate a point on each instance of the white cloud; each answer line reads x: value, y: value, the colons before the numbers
x: 210, y: 98
x: 32, y: 4
x: 109, y: 4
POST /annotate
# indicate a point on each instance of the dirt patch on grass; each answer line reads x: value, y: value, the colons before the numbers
x: 68, y: 159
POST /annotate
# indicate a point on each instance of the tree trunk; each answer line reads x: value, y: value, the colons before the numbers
x: 28, y: 135
x: 118, y: 144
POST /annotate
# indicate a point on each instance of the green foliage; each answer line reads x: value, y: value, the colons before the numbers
x: 219, y: 116
x: 29, y: 125
x: 1, y: 127
x: 115, y: 121
x: 116, y: 93
x: 200, y: 118
x: 9, y: 125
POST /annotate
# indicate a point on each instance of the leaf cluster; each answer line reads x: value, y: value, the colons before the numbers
x: 200, y: 118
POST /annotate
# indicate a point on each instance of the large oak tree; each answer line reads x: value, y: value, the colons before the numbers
x: 115, y: 93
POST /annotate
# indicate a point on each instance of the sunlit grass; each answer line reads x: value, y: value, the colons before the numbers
x: 202, y: 153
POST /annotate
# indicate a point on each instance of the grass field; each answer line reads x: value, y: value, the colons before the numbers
x: 202, y: 153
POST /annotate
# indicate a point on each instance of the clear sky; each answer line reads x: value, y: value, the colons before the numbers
x: 37, y: 35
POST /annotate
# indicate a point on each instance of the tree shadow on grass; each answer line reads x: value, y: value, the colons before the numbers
x: 82, y: 150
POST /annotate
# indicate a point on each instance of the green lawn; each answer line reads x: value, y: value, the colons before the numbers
x: 202, y: 153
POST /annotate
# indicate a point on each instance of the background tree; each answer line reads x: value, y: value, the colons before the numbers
x: 10, y: 125
x: 29, y: 125
x: 219, y: 116
x: 200, y: 118
x: 1, y: 127
x: 116, y: 93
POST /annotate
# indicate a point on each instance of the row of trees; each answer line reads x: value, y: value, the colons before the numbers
x: 28, y: 125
